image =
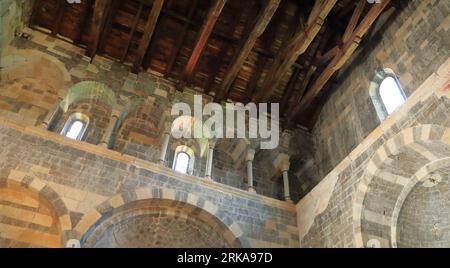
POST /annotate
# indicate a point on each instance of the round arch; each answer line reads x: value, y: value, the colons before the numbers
x: 43, y: 190
x: 421, y: 176
x: 385, y: 183
x: 89, y: 90
x: 232, y: 232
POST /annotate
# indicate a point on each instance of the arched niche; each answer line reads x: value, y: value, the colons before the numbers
x: 158, y: 218
x: 229, y: 162
x: 139, y: 128
x: 30, y: 218
x: 31, y: 82
x: 92, y: 99
x: 394, y: 174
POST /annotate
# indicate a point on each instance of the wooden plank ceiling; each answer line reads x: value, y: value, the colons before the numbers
x: 285, y: 51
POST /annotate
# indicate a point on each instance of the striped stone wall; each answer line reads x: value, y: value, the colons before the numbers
x: 366, y: 200
x: 88, y: 184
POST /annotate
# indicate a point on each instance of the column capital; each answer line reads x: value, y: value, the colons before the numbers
x: 73, y: 243
x: 285, y: 166
x: 116, y: 113
x: 282, y: 162
x: 212, y: 144
x: 250, y: 156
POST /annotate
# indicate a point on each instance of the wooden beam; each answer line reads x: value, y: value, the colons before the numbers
x: 225, y: 46
x: 180, y: 40
x: 246, y: 47
x: 354, y: 20
x: 84, y: 22
x: 133, y: 29
x: 289, y: 90
x: 59, y: 16
x: 310, y: 69
x: 301, y: 92
x: 202, y: 40
x: 148, y: 33
x: 101, y: 10
x: 341, y: 58
x: 108, y: 24
x: 264, y: 53
x: 293, y: 49
x: 327, y: 56
x: 36, y: 5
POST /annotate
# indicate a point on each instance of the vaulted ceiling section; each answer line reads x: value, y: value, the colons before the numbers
x: 285, y: 51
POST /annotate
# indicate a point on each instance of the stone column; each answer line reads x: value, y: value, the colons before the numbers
x: 285, y: 170
x: 48, y: 120
x: 110, y: 129
x: 73, y: 243
x: 249, y: 159
x: 165, y: 145
x: 209, y: 161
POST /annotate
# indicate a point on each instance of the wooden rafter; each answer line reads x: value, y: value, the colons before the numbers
x: 293, y: 49
x: 131, y: 33
x: 148, y: 33
x: 225, y: 47
x: 354, y: 20
x: 180, y: 39
x: 60, y: 14
x: 246, y: 47
x: 202, y: 40
x: 342, y: 56
x: 108, y: 25
x: 84, y: 22
x: 301, y: 91
x: 289, y: 90
x: 101, y: 10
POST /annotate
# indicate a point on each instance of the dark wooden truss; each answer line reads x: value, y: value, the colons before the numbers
x: 285, y: 51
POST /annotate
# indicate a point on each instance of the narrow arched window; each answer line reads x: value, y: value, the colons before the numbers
x: 75, y: 130
x: 386, y: 93
x: 391, y: 94
x: 182, y: 162
x: 75, y: 126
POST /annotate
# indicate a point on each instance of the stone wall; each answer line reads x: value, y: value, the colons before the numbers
x: 87, y: 185
x: 424, y: 219
x: 99, y: 115
x: 375, y: 170
x: 40, y: 70
x: 414, y: 44
x: 14, y: 15
x: 375, y: 196
x: 26, y: 220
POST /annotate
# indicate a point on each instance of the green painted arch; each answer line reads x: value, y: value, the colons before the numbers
x: 89, y: 90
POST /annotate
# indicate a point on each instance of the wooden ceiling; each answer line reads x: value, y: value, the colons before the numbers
x: 284, y: 51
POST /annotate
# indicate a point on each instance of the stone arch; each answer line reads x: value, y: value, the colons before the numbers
x: 89, y: 90
x: 94, y: 100
x: 229, y: 162
x: 421, y: 176
x: 39, y: 192
x: 31, y: 82
x: 232, y: 232
x: 138, y: 129
x: 388, y: 172
x: 25, y: 62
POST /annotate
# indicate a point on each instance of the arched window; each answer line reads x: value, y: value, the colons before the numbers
x: 75, y: 126
x: 184, y: 159
x: 386, y: 93
x: 391, y: 94
x: 182, y: 162
x: 75, y: 130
